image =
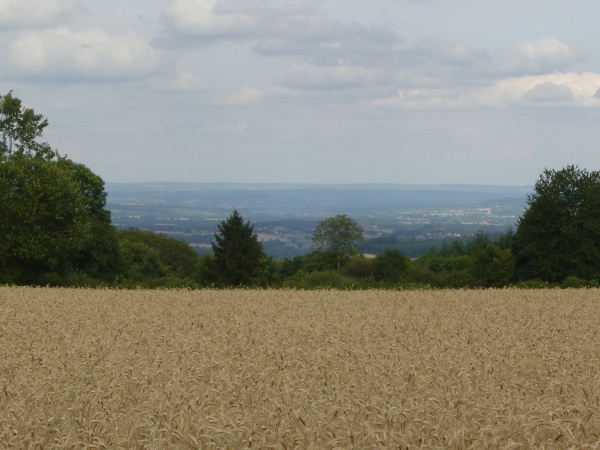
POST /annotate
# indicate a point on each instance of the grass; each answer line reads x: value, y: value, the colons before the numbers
x: 299, y: 369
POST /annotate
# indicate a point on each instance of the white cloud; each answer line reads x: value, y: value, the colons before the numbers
x: 187, y: 82
x: 16, y: 14
x: 558, y: 89
x: 277, y: 28
x: 439, y: 63
x: 423, y: 98
x: 310, y: 76
x: 554, y: 88
x: 89, y: 54
x: 204, y: 18
x: 434, y: 49
x: 245, y: 96
x: 550, y: 92
x: 331, y: 44
x: 181, y: 82
x: 546, y: 54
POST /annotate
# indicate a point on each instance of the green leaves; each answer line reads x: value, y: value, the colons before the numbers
x: 52, y: 218
x: 178, y: 258
x: 19, y: 129
x: 339, y: 235
x: 41, y: 220
x: 559, y: 233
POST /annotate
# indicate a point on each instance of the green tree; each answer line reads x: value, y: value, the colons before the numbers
x: 43, y: 220
x: 239, y: 258
x: 390, y: 266
x: 478, y: 242
x: 493, y: 267
x: 340, y: 236
x: 19, y: 129
x: 455, y: 248
x: 99, y: 254
x: 177, y: 257
x: 53, y: 217
x: 307, y: 263
x: 559, y: 233
x: 140, y: 261
x: 359, y: 267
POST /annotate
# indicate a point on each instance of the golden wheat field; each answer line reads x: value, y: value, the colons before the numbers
x: 284, y: 369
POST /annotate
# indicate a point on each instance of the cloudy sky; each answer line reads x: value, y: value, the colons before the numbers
x: 311, y: 91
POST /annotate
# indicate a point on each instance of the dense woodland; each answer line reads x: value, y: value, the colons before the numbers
x: 55, y: 230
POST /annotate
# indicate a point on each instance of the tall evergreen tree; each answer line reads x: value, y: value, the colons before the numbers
x: 239, y: 258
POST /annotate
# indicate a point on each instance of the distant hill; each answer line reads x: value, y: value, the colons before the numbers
x: 275, y: 200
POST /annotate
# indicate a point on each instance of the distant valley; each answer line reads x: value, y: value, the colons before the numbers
x: 412, y: 218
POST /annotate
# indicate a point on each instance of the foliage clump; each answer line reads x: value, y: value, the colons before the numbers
x: 559, y: 233
x: 338, y: 236
x: 53, y: 219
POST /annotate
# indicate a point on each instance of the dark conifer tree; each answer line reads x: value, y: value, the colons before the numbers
x: 239, y: 258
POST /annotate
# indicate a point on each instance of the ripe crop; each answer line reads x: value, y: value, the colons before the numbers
x: 299, y: 369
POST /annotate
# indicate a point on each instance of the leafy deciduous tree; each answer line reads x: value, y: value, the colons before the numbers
x: 359, y: 267
x: 559, y: 233
x: 339, y: 235
x: 42, y: 220
x: 140, y: 261
x: 52, y: 217
x: 19, y: 129
x: 177, y: 257
x: 390, y: 266
x: 99, y: 254
x: 493, y: 267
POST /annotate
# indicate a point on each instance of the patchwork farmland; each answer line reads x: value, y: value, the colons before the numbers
x: 293, y: 369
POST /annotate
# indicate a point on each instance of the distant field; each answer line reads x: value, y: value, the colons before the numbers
x: 308, y: 370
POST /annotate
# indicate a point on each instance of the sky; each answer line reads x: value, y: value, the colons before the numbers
x: 310, y: 91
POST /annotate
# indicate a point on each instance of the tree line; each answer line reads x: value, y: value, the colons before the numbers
x: 55, y: 230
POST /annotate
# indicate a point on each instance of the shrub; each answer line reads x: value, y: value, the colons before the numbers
x: 330, y: 279
x: 532, y: 284
x: 574, y: 282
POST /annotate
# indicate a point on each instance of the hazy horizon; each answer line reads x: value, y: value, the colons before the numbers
x: 370, y: 184
x: 310, y: 92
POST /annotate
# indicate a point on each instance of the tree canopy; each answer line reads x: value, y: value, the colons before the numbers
x: 339, y: 235
x: 19, y: 129
x: 559, y: 233
x: 176, y: 257
x: 53, y: 217
x: 42, y: 219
